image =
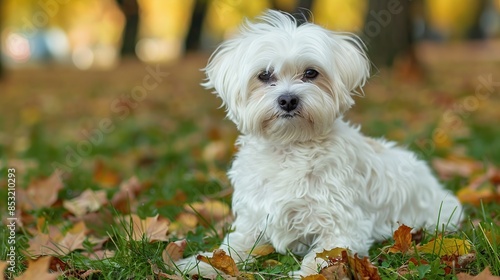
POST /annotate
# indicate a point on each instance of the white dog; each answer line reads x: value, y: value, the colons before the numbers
x: 304, y: 179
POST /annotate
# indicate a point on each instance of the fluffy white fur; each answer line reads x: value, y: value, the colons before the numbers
x: 306, y: 180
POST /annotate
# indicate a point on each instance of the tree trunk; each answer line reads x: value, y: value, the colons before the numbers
x: 130, y: 9
x: 389, y: 36
x: 193, y: 38
x: 388, y: 30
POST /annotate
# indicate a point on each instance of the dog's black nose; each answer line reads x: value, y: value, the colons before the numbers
x: 288, y: 102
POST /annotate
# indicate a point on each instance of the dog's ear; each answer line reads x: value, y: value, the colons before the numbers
x: 222, y: 75
x: 352, y: 66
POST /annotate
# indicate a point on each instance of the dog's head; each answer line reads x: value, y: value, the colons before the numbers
x: 286, y: 82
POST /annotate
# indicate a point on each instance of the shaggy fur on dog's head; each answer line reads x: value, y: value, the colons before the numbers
x: 286, y: 51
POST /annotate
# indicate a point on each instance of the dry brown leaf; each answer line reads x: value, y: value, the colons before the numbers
x: 362, y: 268
x: 314, y: 277
x: 38, y: 269
x: 56, y: 244
x: 338, y: 271
x: 127, y: 193
x: 39, y: 245
x: 105, y: 176
x: 70, y: 243
x: 152, y: 228
x: 99, y: 254
x: 262, y: 250
x: 162, y: 275
x: 173, y: 252
x: 402, y: 240
x: 446, y: 246
x: 484, y: 275
x: 222, y: 262
x: 41, y: 193
x: 88, y: 201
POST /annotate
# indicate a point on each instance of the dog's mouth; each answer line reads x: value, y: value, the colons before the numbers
x: 290, y: 115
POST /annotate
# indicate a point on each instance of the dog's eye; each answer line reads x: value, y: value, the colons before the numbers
x: 310, y: 74
x: 265, y: 76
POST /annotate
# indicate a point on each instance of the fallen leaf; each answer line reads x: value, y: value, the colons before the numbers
x: 402, y: 240
x: 39, y: 246
x: 184, y: 222
x: 105, y: 176
x: 99, y: 254
x: 338, y: 271
x: 46, y: 244
x: 88, y: 201
x: 41, y: 193
x: 262, y: 250
x: 127, y: 193
x: 362, y: 268
x: 446, y: 246
x: 151, y: 228
x: 314, y: 277
x: 477, y: 196
x: 332, y: 256
x: 210, y: 210
x: 38, y: 269
x: 215, y: 150
x: 456, y: 166
x: 173, y: 252
x: 222, y: 262
x: 484, y: 275
x: 162, y: 275
x: 3, y: 266
x: 70, y: 243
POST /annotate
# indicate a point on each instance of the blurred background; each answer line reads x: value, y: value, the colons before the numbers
x: 99, y: 33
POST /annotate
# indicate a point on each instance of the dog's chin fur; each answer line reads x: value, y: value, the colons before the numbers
x: 304, y: 180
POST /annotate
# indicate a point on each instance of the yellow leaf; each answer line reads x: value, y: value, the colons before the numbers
x: 402, y: 240
x: 222, y: 262
x: 270, y: 263
x: 3, y: 266
x: 331, y: 255
x: 475, y: 197
x: 210, y: 210
x: 446, y: 246
x: 262, y: 250
x: 38, y: 269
